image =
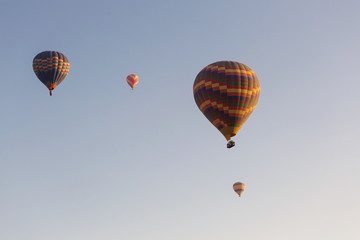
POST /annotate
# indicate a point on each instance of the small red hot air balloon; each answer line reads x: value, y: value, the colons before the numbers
x: 239, y: 188
x: 132, y: 80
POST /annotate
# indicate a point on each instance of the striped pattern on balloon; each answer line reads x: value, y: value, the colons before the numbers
x: 239, y: 188
x: 132, y: 80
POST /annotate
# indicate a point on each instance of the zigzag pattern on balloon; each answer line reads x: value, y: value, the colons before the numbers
x: 50, y: 64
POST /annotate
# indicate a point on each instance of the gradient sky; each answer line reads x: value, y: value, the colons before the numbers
x: 99, y: 161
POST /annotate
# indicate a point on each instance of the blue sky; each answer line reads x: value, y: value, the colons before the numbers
x: 99, y: 161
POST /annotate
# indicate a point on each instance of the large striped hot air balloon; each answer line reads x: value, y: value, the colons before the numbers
x: 226, y: 93
x: 51, y: 68
x: 132, y: 80
x: 239, y: 188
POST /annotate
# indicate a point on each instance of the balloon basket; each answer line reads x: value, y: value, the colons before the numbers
x: 230, y: 144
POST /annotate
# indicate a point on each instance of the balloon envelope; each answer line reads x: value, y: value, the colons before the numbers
x: 239, y: 188
x: 132, y: 80
x: 51, y: 68
x: 227, y: 92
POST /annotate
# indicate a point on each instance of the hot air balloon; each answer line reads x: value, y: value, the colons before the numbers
x: 226, y: 93
x: 132, y: 80
x: 239, y: 188
x: 51, y: 68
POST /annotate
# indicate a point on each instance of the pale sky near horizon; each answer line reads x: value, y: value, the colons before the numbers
x: 99, y: 161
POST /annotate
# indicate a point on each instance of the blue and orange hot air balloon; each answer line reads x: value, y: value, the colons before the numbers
x: 132, y: 80
x: 226, y: 93
x: 51, y: 68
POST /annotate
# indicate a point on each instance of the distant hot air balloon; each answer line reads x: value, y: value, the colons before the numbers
x: 239, y: 188
x: 132, y: 80
x: 226, y: 93
x: 51, y: 68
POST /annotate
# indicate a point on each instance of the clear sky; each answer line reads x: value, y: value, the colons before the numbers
x: 99, y: 161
